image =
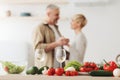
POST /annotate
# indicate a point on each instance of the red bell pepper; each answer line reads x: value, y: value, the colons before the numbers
x: 109, y: 66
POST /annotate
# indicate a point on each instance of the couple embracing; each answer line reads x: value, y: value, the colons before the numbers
x: 48, y: 37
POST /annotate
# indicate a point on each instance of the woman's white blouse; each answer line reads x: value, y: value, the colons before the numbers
x: 78, y: 47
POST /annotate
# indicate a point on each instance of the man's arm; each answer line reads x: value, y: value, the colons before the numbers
x: 39, y: 39
x: 60, y: 42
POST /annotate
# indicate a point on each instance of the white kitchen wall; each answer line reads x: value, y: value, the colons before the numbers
x: 102, y: 30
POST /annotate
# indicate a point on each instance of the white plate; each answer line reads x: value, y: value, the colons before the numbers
x: 83, y: 73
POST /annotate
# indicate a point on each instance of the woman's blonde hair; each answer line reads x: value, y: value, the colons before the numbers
x: 80, y: 18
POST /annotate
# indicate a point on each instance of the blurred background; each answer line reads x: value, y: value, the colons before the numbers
x: 18, y: 18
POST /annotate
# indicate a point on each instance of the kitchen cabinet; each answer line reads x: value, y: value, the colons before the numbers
x: 45, y: 77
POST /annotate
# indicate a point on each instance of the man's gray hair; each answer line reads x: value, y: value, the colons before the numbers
x: 52, y: 6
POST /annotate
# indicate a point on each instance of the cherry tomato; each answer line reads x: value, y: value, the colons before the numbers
x: 73, y: 73
x: 67, y: 73
x: 86, y: 64
x: 92, y: 64
x: 51, y: 71
x: 82, y: 69
x: 96, y: 68
x: 6, y: 68
x: 76, y: 73
x: 89, y: 69
x: 59, y: 71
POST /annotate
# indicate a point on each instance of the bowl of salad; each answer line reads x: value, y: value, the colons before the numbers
x: 13, y: 67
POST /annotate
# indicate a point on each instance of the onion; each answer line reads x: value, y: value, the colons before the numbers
x: 116, y: 72
x: 70, y: 69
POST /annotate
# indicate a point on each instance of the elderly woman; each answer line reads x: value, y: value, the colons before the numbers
x: 78, y: 45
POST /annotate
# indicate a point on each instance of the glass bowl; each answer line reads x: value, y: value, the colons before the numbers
x: 13, y: 67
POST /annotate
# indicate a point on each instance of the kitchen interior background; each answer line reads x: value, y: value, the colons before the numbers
x: 102, y: 30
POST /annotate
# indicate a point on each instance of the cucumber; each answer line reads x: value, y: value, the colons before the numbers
x: 32, y: 70
x: 101, y: 73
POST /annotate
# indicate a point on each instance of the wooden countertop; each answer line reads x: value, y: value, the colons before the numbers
x: 45, y: 77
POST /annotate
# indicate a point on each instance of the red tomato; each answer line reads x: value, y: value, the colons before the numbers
x: 89, y: 69
x: 76, y: 73
x: 67, y: 73
x: 82, y: 69
x: 109, y: 66
x: 86, y: 64
x: 51, y: 71
x: 92, y: 64
x: 96, y: 68
x: 73, y: 73
x: 86, y: 69
x: 59, y: 71
x: 6, y: 68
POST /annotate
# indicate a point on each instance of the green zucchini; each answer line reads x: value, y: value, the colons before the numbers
x: 101, y: 73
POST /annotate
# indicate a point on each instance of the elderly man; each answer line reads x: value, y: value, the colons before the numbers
x: 47, y: 37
